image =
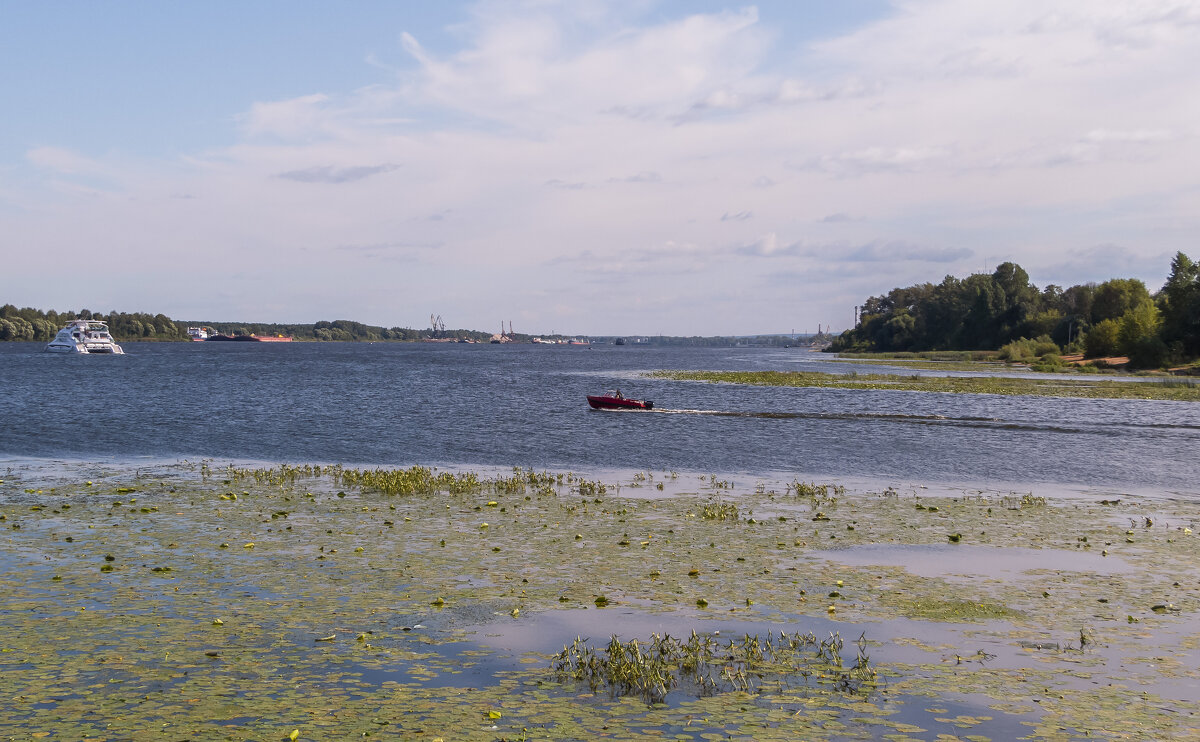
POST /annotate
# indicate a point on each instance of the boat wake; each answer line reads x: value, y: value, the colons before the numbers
x: 811, y: 415
x: 919, y: 419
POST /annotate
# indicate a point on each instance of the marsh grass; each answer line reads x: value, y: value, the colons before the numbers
x: 719, y: 511
x: 704, y: 665
x: 1172, y: 389
x: 949, y: 609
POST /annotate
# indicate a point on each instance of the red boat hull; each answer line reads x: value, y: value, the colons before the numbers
x: 605, y: 402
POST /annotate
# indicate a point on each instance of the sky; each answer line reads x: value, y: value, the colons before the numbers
x: 586, y: 167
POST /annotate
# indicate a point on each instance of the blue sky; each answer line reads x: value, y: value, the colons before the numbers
x: 582, y: 166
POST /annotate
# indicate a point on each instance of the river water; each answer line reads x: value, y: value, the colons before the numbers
x: 488, y: 405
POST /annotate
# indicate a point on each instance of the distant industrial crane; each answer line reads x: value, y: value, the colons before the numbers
x: 435, y: 322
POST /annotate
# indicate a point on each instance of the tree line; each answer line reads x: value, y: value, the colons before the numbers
x: 1003, y: 311
x: 36, y: 325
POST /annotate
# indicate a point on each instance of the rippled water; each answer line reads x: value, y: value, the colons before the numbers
x: 487, y: 405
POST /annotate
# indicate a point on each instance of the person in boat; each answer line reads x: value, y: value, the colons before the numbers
x: 618, y: 394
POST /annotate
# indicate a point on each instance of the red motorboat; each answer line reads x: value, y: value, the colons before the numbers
x: 614, y: 400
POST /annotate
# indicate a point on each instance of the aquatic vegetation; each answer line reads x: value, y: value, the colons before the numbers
x: 377, y: 603
x: 703, y: 665
x: 1185, y: 391
x: 719, y: 511
x: 816, y: 491
x: 949, y: 609
x: 417, y: 480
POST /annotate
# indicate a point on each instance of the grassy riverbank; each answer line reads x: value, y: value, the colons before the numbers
x: 1184, y: 390
x: 197, y: 603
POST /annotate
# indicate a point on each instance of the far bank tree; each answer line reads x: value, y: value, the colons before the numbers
x: 1004, y: 311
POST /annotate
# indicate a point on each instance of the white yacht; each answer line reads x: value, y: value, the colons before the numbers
x: 83, y: 336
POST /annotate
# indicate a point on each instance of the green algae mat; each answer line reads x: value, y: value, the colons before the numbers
x: 1183, y: 390
x: 195, y: 602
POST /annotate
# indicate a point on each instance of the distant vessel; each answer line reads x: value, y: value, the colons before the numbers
x: 249, y: 338
x: 84, y: 336
x: 577, y: 341
x: 199, y: 334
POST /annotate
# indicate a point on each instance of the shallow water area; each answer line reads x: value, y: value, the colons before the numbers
x: 516, y: 639
x: 966, y: 563
x: 270, y: 592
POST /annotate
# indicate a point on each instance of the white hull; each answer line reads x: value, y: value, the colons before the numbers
x: 84, y: 337
x: 80, y: 349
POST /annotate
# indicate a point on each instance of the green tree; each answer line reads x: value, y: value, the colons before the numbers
x: 1019, y: 301
x: 1101, y: 341
x: 23, y: 328
x: 44, y: 329
x: 984, y: 302
x: 1044, y: 322
x: 899, y: 331
x: 1138, y: 336
x: 1180, y: 304
x: 1116, y: 297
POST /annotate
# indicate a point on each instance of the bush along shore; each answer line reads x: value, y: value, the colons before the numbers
x: 196, y: 601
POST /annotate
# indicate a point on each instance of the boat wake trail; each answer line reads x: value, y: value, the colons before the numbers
x: 815, y: 415
x: 918, y: 419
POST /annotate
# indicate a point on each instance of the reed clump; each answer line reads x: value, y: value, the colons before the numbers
x: 816, y: 491
x: 414, y: 481
x: 719, y: 511
x: 284, y: 475
x: 704, y: 666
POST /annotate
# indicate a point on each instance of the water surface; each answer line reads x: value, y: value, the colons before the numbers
x: 488, y: 405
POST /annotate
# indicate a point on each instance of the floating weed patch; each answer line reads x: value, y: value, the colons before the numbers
x: 704, y: 665
x: 1012, y: 386
x: 417, y: 480
x: 944, y: 609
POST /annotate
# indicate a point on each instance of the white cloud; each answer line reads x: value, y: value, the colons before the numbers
x: 63, y: 161
x: 296, y: 119
x: 1141, y: 136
